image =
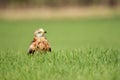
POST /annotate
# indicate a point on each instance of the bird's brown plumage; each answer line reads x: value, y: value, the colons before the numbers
x: 39, y: 44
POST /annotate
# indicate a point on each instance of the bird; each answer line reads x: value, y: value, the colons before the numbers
x: 39, y: 43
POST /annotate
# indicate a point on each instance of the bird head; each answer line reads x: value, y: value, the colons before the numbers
x: 40, y: 33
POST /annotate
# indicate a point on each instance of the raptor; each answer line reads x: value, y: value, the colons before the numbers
x: 39, y: 43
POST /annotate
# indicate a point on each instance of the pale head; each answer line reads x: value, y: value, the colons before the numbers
x: 40, y: 33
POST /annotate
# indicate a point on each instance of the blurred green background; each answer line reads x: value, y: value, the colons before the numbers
x: 70, y: 24
x: 62, y: 34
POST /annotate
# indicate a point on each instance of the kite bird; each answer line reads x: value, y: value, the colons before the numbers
x: 39, y: 43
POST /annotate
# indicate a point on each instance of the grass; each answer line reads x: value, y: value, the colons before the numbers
x: 83, y: 49
x: 87, y: 64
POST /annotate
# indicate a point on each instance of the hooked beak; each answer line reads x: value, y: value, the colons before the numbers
x: 45, y: 32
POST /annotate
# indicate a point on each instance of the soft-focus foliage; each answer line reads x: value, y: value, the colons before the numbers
x: 85, y: 64
x: 53, y: 3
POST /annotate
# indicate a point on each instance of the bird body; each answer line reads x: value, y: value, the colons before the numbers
x: 39, y: 43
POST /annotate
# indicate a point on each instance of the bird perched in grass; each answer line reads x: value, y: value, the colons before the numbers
x: 39, y: 43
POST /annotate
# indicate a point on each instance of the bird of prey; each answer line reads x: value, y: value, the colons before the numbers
x: 39, y: 43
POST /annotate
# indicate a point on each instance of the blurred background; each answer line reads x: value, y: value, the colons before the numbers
x: 56, y: 3
x: 70, y: 24
x: 17, y: 9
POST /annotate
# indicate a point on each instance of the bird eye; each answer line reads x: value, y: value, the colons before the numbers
x: 39, y: 32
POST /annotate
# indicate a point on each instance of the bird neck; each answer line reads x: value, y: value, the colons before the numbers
x: 39, y: 37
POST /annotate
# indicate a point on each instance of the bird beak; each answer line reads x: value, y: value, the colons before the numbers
x: 45, y: 32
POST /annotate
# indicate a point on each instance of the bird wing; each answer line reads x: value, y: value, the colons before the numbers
x: 41, y: 44
x: 33, y: 45
x: 44, y: 44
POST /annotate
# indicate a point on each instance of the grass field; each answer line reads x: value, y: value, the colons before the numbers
x: 82, y: 49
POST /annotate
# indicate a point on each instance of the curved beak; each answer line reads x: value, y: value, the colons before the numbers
x: 45, y: 32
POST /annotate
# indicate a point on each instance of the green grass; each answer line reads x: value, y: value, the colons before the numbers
x: 83, y: 49
x: 87, y: 64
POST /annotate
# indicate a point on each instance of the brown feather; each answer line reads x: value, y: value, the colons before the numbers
x: 40, y: 44
x: 43, y: 44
